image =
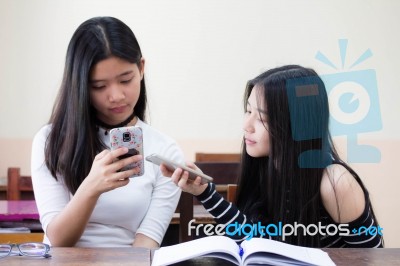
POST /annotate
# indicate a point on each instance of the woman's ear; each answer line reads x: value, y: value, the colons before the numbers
x: 141, y: 67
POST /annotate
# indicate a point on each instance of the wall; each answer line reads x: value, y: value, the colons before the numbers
x: 199, y: 55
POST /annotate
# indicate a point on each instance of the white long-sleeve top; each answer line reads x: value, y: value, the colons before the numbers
x: 145, y: 205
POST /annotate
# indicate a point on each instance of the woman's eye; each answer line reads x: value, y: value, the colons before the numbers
x: 126, y: 81
x: 97, y: 87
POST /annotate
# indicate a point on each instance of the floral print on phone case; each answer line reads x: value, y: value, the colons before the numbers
x: 132, y: 138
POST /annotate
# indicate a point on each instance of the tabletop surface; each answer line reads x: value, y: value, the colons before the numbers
x: 142, y: 256
x: 85, y: 256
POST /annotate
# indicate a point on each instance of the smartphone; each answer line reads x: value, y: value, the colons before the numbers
x: 132, y: 138
x: 171, y: 165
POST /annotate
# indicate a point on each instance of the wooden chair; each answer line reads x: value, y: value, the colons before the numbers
x: 185, y: 208
x: 224, y: 167
x: 222, y: 172
x: 217, y: 157
x: 231, y: 193
x: 18, y: 187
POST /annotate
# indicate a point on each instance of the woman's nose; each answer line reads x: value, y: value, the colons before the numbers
x: 116, y: 94
x: 247, y: 124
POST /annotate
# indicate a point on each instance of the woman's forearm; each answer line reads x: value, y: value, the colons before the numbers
x: 68, y: 226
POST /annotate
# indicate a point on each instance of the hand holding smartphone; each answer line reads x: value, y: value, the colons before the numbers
x: 171, y: 165
x: 132, y: 138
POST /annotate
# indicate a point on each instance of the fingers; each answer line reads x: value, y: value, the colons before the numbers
x: 182, y: 182
x: 192, y: 166
x: 110, y: 164
x: 110, y: 156
x: 197, y: 181
x: 115, y: 182
x: 101, y: 155
x: 181, y: 179
x: 165, y: 170
x: 176, y: 176
x: 124, y: 175
x: 119, y: 164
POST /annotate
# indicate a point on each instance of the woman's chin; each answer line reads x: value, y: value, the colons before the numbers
x: 255, y: 153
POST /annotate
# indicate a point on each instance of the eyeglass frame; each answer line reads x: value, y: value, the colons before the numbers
x: 11, y: 246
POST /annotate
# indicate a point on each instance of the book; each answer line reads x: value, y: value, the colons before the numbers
x: 259, y: 251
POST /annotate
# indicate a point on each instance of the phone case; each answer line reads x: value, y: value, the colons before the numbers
x: 132, y: 138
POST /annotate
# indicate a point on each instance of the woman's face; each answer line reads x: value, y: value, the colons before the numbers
x: 115, y: 88
x: 255, y: 134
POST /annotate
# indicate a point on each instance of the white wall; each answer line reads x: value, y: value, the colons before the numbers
x: 199, y: 56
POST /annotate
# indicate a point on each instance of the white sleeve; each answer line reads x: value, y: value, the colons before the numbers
x: 164, y: 200
x: 51, y: 195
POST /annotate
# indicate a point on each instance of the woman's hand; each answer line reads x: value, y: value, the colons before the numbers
x: 104, y: 174
x: 181, y: 179
x: 68, y: 226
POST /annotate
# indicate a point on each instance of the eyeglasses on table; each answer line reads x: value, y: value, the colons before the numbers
x: 30, y: 249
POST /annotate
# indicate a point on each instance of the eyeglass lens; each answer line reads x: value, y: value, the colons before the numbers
x: 33, y: 249
x: 26, y: 249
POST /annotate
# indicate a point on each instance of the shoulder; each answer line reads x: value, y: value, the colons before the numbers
x: 151, y: 132
x: 41, y: 136
x: 155, y: 141
x: 43, y: 131
x: 342, y: 196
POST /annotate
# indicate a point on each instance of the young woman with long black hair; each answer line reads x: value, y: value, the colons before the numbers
x: 82, y: 197
x: 290, y: 171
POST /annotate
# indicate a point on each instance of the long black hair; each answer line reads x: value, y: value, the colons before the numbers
x: 285, y: 185
x: 73, y: 141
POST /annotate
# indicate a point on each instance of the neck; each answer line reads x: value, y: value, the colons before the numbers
x: 126, y: 122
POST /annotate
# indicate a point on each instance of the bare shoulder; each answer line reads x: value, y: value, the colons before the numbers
x: 342, y: 196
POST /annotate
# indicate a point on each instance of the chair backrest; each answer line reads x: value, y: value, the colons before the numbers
x: 222, y: 172
x: 224, y: 168
x: 185, y: 208
x: 18, y: 187
x: 231, y: 193
x: 217, y: 157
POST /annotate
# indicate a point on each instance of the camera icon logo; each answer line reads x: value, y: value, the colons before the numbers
x: 353, y: 109
x: 354, y: 105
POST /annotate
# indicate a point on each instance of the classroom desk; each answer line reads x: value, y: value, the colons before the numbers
x: 364, y: 256
x: 341, y: 257
x: 141, y: 256
x: 85, y: 257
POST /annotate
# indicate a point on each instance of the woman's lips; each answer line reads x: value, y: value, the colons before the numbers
x: 250, y: 142
x: 118, y: 110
